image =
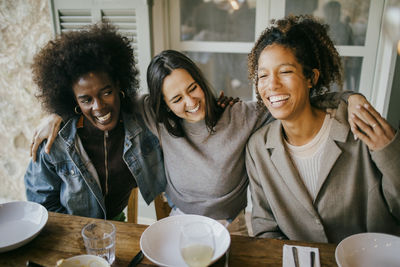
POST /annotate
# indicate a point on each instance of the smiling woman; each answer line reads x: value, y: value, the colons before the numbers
x: 98, y: 99
x: 184, y: 96
x: 310, y: 178
x: 169, y: 93
x: 89, y: 79
x: 282, y: 85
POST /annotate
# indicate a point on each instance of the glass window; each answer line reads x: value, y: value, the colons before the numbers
x: 347, y: 22
x: 300, y: 7
x: 347, y: 19
x: 223, y: 20
x: 352, y: 72
x: 225, y: 71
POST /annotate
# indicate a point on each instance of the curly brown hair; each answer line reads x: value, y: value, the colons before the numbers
x: 308, y: 39
x: 97, y: 48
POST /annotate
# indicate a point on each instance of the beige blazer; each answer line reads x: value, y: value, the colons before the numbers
x: 358, y: 190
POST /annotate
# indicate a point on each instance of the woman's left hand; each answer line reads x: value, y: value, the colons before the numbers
x: 224, y: 101
x: 354, y: 101
x: 372, y: 129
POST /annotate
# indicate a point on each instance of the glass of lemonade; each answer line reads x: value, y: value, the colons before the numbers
x: 99, y: 239
x: 197, y: 244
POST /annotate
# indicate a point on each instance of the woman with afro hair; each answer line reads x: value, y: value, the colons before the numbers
x: 311, y: 179
x: 103, y: 149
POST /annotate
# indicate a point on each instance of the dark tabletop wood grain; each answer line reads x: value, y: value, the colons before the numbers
x: 61, y: 238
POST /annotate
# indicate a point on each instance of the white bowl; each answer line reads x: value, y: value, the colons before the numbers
x: 160, y: 241
x: 20, y: 222
x: 83, y: 261
x: 368, y: 250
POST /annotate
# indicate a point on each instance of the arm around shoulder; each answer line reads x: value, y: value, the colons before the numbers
x: 332, y: 99
x: 387, y: 161
x: 146, y: 111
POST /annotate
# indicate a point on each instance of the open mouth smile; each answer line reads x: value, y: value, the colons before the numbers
x: 104, y: 118
x: 277, y: 100
x: 195, y: 109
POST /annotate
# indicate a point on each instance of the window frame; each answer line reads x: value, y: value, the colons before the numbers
x: 378, y: 54
x: 141, y: 30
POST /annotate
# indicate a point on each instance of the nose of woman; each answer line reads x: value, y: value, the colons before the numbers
x: 269, y: 84
x: 273, y: 82
x: 190, y: 101
x: 98, y: 104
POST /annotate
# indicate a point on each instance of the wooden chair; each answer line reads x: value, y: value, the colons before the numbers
x: 132, y: 212
x: 161, y: 206
x: 160, y: 203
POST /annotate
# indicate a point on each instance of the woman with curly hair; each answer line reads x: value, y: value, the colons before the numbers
x: 310, y: 178
x: 103, y: 150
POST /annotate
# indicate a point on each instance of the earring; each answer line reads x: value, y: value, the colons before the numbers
x: 122, y: 93
x: 78, y: 110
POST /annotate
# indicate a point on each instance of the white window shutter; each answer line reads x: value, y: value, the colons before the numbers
x: 130, y: 17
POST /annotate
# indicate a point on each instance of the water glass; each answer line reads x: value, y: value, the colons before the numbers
x: 99, y: 239
x: 197, y: 244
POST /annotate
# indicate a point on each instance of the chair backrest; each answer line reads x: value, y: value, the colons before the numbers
x: 161, y: 206
x: 132, y: 212
x: 160, y: 203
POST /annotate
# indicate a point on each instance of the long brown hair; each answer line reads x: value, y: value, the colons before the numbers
x: 160, y: 67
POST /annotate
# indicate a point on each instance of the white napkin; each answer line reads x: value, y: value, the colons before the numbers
x: 303, y: 255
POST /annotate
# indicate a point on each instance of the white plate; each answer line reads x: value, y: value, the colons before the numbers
x: 20, y: 222
x: 369, y: 250
x: 160, y: 241
x: 83, y: 260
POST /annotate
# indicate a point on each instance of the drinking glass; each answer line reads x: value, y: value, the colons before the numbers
x: 197, y: 244
x: 99, y: 239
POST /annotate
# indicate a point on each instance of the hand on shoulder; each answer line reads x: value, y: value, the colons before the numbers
x: 47, y: 129
x: 371, y: 128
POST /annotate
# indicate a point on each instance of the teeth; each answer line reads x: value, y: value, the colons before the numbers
x: 276, y: 98
x: 104, y: 118
x: 196, y: 108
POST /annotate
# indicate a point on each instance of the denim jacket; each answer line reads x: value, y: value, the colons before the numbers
x: 66, y: 181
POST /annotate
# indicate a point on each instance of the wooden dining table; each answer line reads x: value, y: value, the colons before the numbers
x: 61, y: 238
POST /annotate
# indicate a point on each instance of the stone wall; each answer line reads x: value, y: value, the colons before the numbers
x: 25, y: 26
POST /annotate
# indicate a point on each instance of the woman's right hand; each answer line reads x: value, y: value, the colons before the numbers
x: 372, y: 129
x: 47, y: 129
